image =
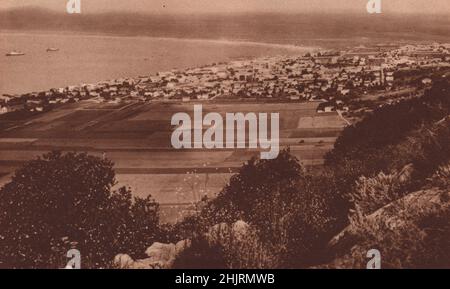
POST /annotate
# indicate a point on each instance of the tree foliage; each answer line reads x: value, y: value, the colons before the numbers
x: 294, y: 213
x: 63, y: 201
x: 394, y: 136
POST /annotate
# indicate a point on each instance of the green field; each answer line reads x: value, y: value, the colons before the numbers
x: 136, y: 137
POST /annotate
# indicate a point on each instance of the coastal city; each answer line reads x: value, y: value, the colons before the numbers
x: 227, y: 134
x: 334, y: 78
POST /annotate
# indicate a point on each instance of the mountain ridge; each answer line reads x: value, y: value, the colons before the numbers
x: 264, y: 27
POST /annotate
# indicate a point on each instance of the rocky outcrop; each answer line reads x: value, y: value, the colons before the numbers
x: 401, y: 221
x: 163, y: 256
x: 160, y: 256
x: 222, y: 234
x: 123, y: 261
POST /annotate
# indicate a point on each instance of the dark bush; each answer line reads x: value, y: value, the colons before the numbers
x: 294, y: 213
x: 201, y: 255
x: 381, y: 141
x: 64, y: 201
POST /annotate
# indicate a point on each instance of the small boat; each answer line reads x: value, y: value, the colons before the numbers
x: 51, y: 49
x: 15, y: 53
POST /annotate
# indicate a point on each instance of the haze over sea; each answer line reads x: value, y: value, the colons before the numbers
x: 92, y: 58
x: 143, y: 44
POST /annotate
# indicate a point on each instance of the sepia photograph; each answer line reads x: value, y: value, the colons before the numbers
x: 224, y: 134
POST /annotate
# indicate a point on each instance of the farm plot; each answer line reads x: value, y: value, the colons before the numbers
x: 136, y: 137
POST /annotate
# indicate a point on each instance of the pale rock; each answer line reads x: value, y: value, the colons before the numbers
x: 123, y: 261
x: 162, y: 255
x: 240, y: 230
x: 218, y: 234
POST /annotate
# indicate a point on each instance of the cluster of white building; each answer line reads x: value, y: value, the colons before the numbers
x: 318, y: 76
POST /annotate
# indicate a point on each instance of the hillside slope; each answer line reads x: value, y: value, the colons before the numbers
x: 401, y: 231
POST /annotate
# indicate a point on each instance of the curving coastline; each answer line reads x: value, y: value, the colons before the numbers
x: 87, y: 57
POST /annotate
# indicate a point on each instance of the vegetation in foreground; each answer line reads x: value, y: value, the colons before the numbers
x: 64, y: 201
x: 385, y: 186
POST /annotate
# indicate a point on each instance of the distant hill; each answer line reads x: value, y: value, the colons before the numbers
x: 276, y: 28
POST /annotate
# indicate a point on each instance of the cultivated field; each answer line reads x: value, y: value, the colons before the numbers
x: 136, y: 137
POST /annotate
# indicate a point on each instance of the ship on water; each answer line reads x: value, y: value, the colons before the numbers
x: 52, y: 49
x: 15, y: 53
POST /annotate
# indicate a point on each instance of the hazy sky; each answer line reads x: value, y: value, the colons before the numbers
x: 230, y: 6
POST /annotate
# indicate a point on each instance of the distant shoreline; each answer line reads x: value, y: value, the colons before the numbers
x: 237, y: 45
x: 105, y: 35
